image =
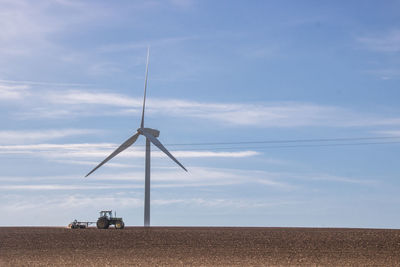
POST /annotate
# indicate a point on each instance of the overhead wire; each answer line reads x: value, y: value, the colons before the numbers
x: 276, y: 144
x: 287, y: 141
x: 316, y: 142
x: 289, y: 146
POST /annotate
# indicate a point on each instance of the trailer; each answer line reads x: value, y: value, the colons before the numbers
x: 79, y: 225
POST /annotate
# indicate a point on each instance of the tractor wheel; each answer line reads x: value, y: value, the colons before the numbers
x: 119, y: 225
x: 102, y: 223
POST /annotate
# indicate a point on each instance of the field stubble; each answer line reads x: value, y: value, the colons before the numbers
x: 199, y: 246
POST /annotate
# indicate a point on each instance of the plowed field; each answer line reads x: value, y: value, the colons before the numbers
x: 199, y: 246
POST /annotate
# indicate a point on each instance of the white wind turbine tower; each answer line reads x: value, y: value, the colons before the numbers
x: 151, y: 136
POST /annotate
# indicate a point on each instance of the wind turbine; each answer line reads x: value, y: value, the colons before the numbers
x: 151, y: 137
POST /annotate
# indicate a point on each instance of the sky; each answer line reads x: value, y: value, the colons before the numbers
x: 285, y: 113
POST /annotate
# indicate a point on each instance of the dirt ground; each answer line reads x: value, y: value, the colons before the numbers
x: 198, y: 246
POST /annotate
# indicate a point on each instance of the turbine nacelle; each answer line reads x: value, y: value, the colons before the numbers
x: 153, y: 132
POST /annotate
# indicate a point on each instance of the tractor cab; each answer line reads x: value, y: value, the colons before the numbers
x: 106, y: 213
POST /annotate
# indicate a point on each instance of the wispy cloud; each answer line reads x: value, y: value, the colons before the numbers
x: 385, y: 74
x: 46, y: 187
x: 31, y: 32
x: 162, y: 178
x: 213, y: 154
x: 144, y: 44
x: 29, y: 136
x: 387, y: 42
x: 174, y: 178
x: 28, y: 84
x: 13, y: 92
x: 338, y: 179
x: 101, y: 150
x: 395, y: 133
x: 104, y: 68
x: 93, y: 163
x: 83, y: 201
x: 27, y: 26
x: 77, y: 97
x: 72, y: 103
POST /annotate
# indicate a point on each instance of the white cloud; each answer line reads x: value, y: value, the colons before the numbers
x: 28, y: 84
x: 264, y: 115
x: 17, y: 24
x: 93, y: 163
x: 76, y: 97
x: 13, y: 92
x: 144, y: 44
x: 388, y: 42
x: 386, y: 74
x: 341, y: 179
x: 44, y: 104
x: 78, y: 201
x: 101, y: 150
x: 104, y: 68
x: 26, y: 26
x: 33, y: 34
x: 213, y: 154
x: 219, y: 202
x: 176, y: 178
x: 51, y: 187
x: 161, y: 178
x: 29, y: 136
x: 283, y: 114
x: 394, y: 133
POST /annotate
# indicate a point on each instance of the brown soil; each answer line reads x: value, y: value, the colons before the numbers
x: 199, y: 246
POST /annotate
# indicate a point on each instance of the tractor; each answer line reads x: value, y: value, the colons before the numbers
x: 106, y: 219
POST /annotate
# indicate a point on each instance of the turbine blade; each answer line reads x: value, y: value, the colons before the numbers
x: 145, y: 87
x: 121, y: 148
x: 158, y: 144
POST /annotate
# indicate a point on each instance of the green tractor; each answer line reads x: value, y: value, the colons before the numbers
x: 106, y: 219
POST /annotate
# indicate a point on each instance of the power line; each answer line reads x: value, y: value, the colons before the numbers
x: 287, y: 141
x: 303, y: 143
x: 292, y: 146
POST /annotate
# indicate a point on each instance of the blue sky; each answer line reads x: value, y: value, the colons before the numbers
x: 71, y: 84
